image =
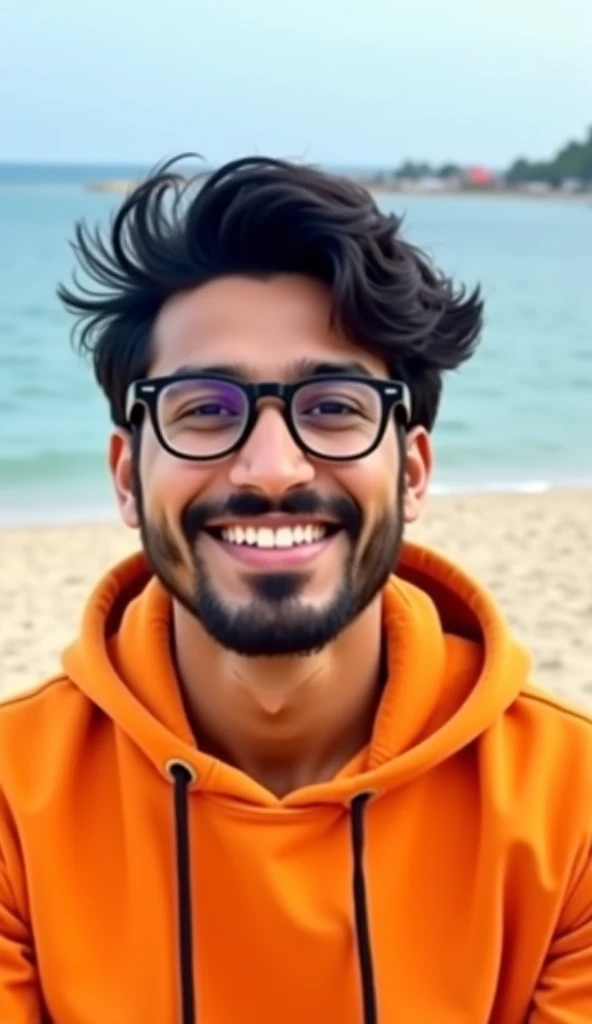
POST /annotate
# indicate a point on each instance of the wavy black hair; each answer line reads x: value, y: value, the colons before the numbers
x: 257, y: 216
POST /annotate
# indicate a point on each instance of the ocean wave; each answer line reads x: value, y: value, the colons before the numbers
x: 49, y: 468
x: 500, y: 486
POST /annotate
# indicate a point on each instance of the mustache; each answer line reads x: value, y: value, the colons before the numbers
x: 343, y: 510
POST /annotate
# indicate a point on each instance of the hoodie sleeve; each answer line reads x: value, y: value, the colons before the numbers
x: 564, y: 992
x: 20, y: 995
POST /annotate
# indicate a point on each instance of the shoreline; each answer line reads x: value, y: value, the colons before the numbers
x: 378, y: 189
x: 105, y: 513
x: 575, y: 198
x: 528, y: 549
x: 122, y: 188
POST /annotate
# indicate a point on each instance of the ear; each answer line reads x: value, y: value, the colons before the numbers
x: 419, y: 461
x: 120, y: 464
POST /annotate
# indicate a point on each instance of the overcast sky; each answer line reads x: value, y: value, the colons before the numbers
x: 364, y: 82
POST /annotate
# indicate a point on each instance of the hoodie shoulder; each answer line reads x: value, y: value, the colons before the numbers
x: 39, y: 709
x: 43, y: 720
x: 39, y: 703
x: 555, y: 735
x: 558, y: 707
x: 18, y: 698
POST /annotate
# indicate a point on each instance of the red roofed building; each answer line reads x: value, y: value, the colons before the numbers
x: 479, y: 177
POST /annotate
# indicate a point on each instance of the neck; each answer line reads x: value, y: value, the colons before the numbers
x: 287, y: 722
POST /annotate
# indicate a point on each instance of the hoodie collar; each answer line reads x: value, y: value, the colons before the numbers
x: 453, y: 669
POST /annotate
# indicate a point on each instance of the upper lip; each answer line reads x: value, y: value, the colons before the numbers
x: 272, y: 522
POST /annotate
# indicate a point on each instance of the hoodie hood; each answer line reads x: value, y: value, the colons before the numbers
x: 453, y: 669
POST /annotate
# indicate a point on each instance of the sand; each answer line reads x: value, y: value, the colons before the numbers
x: 534, y: 551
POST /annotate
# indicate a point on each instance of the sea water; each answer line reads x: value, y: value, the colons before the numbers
x: 518, y: 416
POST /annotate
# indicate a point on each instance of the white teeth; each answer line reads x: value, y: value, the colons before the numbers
x: 265, y: 537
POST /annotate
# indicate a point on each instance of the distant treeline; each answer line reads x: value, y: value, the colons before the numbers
x: 415, y: 170
x: 572, y: 162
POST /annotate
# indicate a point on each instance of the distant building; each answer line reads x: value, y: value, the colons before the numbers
x: 572, y: 185
x: 479, y: 177
x: 536, y: 188
x: 432, y: 184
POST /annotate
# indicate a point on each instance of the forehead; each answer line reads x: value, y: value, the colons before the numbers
x: 263, y: 326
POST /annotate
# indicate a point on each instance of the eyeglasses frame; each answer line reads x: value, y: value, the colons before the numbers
x: 394, y: 395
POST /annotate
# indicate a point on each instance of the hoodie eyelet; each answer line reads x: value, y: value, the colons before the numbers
x: 368, y: 794
x: 174, y: 764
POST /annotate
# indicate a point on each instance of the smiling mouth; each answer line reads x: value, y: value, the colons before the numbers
x: 268, y: 538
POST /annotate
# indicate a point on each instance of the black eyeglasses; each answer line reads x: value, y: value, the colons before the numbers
x: 335, y: 417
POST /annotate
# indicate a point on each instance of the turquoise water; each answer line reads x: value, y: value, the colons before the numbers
x: 519, y: 416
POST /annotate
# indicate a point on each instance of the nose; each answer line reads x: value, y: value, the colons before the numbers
x: 270, y: 460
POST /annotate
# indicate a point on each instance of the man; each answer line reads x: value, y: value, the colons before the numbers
x: 293, y: 771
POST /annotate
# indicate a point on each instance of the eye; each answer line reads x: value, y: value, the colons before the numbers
x: 201, y: 404
x: 332, y: 407
x: 209, y: 409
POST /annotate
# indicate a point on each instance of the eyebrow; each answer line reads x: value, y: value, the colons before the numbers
x: 296, y: 371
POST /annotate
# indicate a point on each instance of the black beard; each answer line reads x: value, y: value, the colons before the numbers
x: 275, y: 622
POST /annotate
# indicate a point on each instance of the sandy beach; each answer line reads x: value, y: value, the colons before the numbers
x: 534, y: 551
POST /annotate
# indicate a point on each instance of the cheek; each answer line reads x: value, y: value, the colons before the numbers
x: 169, y: 484
x: 372, y: 482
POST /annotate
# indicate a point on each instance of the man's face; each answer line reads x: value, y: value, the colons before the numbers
x: 265, y: 601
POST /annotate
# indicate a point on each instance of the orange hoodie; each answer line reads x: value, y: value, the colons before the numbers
x: 443, y: 877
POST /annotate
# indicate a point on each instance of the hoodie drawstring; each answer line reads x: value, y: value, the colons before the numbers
x: 361, y: 910
x: 183, y: 776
